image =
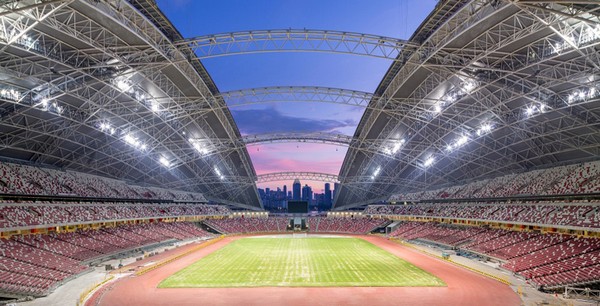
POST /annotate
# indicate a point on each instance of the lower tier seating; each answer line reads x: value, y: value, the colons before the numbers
x: 544, y: 259
x: 249, y: 225
x: 279, y: 224
x: 36, y: 264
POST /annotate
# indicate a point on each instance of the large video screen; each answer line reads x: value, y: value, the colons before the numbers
x: 298, y: 207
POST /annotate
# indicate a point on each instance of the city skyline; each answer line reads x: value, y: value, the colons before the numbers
x: 276, y: 199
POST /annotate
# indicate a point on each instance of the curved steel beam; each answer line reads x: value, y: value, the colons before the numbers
x: 296, y: 94
x: 384, y: 147
x: 313, y: 94
x: 295, y: 40
x: 283, y: 176
x: 388, y: 148
x: 317, y: 137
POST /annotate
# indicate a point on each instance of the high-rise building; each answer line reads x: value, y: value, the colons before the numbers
x: 307, y: 194
x: 319, y: 202
x: 296, y: 188
x: 284, y: 192
x: 327, y: 196
x: 336, y: 189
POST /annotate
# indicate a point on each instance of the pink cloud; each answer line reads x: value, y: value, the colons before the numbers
x: 303, y: 157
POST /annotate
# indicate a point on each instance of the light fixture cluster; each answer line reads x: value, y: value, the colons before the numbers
x: 461, y: 141
x: 133, y: 141
x: 56, y: 108
x: 10, y: 94
x: 125, y: 85
x: 376, y: 172
x: 429, y: 161
x: 107, y: 128
x: 453, y: 95
x: 458, y: 142
x: 219, y: 174
x: 582, y: 95
x: 469, y: 85
x: 164, y: 161
x: 537, y: 108
x: 198, y: 146
x: 587, y: 34
x: 558, y: 47
x: 28, y: 42
x: 394, y: 147
x: 484, y: 129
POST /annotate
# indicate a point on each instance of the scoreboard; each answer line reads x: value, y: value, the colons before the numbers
x: 298, y: 207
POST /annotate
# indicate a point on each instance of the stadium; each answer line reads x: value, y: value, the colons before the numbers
x: 129, y: 176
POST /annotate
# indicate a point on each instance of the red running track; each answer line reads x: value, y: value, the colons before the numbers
x: 464, y: 287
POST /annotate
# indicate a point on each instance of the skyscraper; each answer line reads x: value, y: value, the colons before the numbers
x: 307, y: 194
x: 285, y: 192
x: 327, y: 196
x: 296, y: 188
x: 336, y: 189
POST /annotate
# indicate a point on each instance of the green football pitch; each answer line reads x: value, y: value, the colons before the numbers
x: 300, y: 262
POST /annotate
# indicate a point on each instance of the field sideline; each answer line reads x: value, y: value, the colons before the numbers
x: 301, y: 262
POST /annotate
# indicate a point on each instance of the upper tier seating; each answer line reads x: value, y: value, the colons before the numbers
x: 584, y: 214
x: 15, y: 215
x: 570, y: 179
x: 23, y: 179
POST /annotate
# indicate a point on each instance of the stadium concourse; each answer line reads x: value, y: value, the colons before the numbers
x: 472, y: 178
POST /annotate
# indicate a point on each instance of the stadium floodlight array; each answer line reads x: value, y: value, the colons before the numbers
x: 376, y: 172
x: 106, y: 127
x: 582, y: 33
x: 395, y: 147
x: 155, y: 106
x: 135, y: 92
x: 469, y: 86
x: 582, y: 94
x: 56, y: 108
x: 452, y: 96
x: 484, y: 129
x: 429, y: 161
x: 49, y: 105
x: 219, y: 174
x: 457, y: 143
x: 134, y: 142
x: 164, y: 161
x: 10, y: 94
x: 44, y: 103
x: 123, y: 84
x: 535, y: 109
x: 197, y: 144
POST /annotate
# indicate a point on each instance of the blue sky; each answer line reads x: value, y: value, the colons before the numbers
x: 382, y: 17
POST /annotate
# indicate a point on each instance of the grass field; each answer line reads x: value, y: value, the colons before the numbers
x: 300, y: 262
